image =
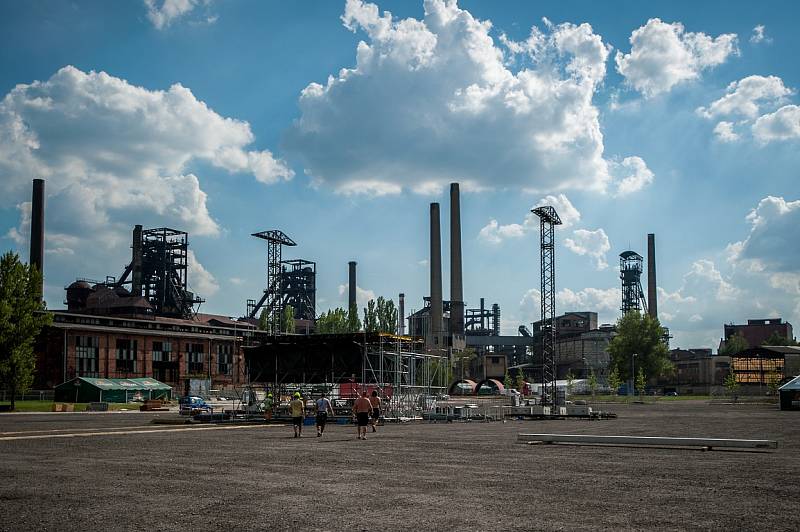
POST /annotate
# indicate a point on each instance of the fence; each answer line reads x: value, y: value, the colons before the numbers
x: 30, y: 395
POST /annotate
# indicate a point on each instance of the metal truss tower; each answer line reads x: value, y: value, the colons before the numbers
x: 272, y: 300
x: 548, y: 219
x: 630, y: 273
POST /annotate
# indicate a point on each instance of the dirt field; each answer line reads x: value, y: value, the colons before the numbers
x: 124, y: 475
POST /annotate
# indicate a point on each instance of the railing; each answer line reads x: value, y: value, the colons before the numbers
x: 30, y: 395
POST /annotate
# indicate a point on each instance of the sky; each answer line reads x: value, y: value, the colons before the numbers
x: 339, y: 122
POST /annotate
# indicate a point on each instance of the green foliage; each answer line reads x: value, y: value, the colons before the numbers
x: 21, y: 321
x: 371, y: 317
x: 387, y: 315
x: 262, y: 320
x: 333, y: 322
x: 570, y: 382
x: 730, y: 383
x: 593, y: 382
x: 640, y: 334
x: 287, y: 320
x: 734, y: 345
x: 777, y: 339
x: 641, y: 381
x: 462, y: 361
x: 519, y: 381
x: 773, y: 382
x: 507, y: 382
x: 614, y: 380
x: 353, y: 323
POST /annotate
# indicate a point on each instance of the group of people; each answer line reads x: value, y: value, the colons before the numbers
x: 366, y: 410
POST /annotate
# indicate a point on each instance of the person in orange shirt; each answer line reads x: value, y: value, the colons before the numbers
x: 362, y: 408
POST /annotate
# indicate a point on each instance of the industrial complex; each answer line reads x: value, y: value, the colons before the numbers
x: 144, y: 323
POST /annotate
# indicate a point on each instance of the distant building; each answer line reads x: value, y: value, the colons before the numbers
x: 581, y: 346
x: 698, y: 367
x: 757, y: 331
x: 759, y: 365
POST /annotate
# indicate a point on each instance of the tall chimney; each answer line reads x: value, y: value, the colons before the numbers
x: 652, y: 296
x: 37, y: 230
x: 136, y: 262
x: 436, y: 279
x: 351, y: 300
x: 401, y: 325
x: 456, y: 282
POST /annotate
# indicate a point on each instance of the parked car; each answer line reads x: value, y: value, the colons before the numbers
x: 192, y: 404
x: 671, y: 394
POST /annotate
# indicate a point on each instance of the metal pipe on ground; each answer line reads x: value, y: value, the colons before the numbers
x: 649, y: 440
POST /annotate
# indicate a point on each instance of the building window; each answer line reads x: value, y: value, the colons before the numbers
x: 162, y: 351
x: 224, y: 359
x: 126, y: 356
x: 195, y: 358
x: 87, y: 356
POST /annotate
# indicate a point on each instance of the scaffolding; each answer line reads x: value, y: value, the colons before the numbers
x: 548, y: 219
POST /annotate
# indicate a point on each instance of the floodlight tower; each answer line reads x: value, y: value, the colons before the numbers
x: 548, y: 219
x: 630, y: 273
x: 273, y: 296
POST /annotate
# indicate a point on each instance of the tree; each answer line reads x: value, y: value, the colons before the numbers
x: 593, y: 383
x: 614, y: 381
x: 641, y: 382
x: 734, y: 345
x: 332, y: 322
x: 777, y: 339
x: 22, y: 317
x: 731, y: 383
x: 507, y: 382
x: 387, y: 315
x: 262, y: 320
x: 353, y: 323
x: 462, y: 361
x: 287, y: 320
x: 520, y: 381
x: 773, y: 382
x: 371, y: 322
x: 570, y: 382
x: 639, y: 334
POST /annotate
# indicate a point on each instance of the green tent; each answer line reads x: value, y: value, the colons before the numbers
x: 87, y: 390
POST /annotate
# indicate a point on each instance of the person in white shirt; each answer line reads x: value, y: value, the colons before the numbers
x: 323, y: 407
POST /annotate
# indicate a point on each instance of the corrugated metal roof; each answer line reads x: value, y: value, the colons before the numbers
x: 793, y: 385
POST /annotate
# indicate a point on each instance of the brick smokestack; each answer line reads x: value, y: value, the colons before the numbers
x: 435, y: 333
x: 456, y: 282
x: 652, y: 296
x: 401, y: 318
x: 136, y: 261
x: 37, y: 229
x: 351, y: 300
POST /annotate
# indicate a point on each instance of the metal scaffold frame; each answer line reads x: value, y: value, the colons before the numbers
x: 273, y: 298
x: 548, y: 219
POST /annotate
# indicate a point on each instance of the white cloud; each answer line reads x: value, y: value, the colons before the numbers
x: 725, y: 133
x: 631, y: 175
x: 163, y: 13
x: 783, y: 124
x: 114, y: 155
x: 495, y: 233
x: 605, y: 302
x: 237, y: 281
x: 747, y: 97
x: 594, y: 244
x: 772, y: 242
x: 363, y: 295
x: 758, y: 35
x: 664, y: 55
x: 434, y: 100
x: 199, y: 279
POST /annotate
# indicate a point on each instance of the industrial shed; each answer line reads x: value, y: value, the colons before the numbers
x: 790, y: 395
x: 87, y: 390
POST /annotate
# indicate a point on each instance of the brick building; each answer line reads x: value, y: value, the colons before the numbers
x: 755, y: 332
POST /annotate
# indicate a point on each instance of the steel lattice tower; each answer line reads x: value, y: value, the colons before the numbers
x: 630, y: 273
x: 273, y: 297
x: 548, y: 219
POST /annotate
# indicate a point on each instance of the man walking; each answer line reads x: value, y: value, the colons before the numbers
x: 361, y: 409
x: 296, y: 410
x: 375, y: 403
x: 323, y: 407
x: 268, y: 405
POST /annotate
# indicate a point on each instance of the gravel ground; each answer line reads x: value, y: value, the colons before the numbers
x: 463, y: 476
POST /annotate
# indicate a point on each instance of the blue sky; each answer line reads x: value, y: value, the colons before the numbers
x: 339, y: 123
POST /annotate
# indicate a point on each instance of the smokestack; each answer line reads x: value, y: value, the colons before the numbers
x: 401, y: 326
x: 652, y: 296
x: 136, y: 262
x: 351, y: 300
x: 436, y: 279
x: 37, y: 225
x: 456, y: 282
